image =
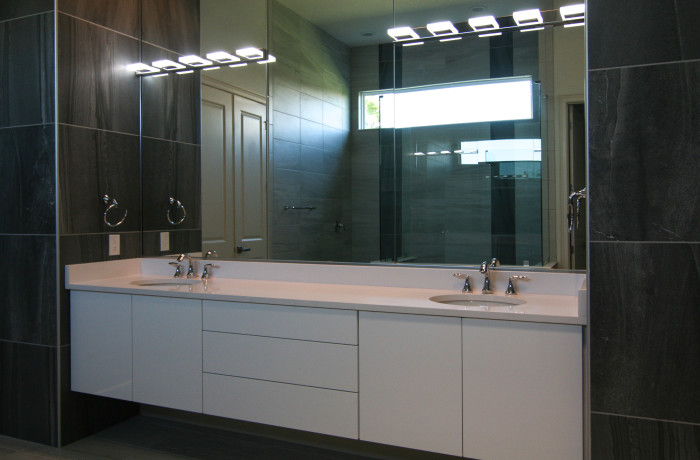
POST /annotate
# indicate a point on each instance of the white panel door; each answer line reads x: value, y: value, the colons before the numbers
x: 217, y: 172
x: 411, y: 381
x: 167, y: 336
x: 100, y: 330
x: 250, y: 152
x: 523, y: 394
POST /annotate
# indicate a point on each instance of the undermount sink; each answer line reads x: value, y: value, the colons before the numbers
x: 478, y: 301
x: 166, y: 281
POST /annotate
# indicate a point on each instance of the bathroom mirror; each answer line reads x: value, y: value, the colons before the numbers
x: 300, y: 160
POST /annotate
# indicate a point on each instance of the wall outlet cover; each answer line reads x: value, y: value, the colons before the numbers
x: 164, y: 241
x: 114, y: 243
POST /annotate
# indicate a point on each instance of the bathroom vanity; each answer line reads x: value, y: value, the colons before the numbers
x: 360, y: 352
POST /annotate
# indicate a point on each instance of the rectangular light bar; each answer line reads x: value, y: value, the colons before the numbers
x: 142, y: 69
x: 167, y: 64
x: 250, y: 53
x: 528, y: 17
x: 403, y: 33
x: 441, y: 28
x: 194, y: 61
x: 242, y: 64
x: 413, y: 43
x: 270, y: 58
x: 222, y: 57
x: 572, y: 12
x: 483, y: 23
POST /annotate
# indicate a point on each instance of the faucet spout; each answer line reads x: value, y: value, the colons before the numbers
x: 486, y: 270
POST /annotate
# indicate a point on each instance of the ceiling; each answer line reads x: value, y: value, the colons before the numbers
x: 364, y: 22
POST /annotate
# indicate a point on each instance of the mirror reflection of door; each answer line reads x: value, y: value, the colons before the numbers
x: 234, y: 172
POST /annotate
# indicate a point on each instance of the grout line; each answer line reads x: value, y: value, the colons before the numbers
x: 98, y: 129
x: 645, y: 418
x: 644, y: 242
x: 652, y: 64
x: 96, y: 25
x: 29, y: 125
x: 27, y: 16
x: 19, y: 342
x: 170, y: 140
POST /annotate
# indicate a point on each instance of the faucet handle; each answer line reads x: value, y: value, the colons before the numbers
x: 211, y: 253
x: 206, y: 273
x: 467, y: 285
x: 178, y: 269
x: 510, y: 290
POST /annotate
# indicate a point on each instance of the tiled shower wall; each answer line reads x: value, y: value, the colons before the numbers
x: 96, y: 153
x: 644, y: 125
x: 310, y: 160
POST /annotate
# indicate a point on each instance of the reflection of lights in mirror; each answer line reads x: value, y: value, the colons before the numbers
x: 187, y: 64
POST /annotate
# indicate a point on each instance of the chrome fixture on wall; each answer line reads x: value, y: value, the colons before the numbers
x: 190, y: 63
x: 112, y: 204
x: 575, y: 202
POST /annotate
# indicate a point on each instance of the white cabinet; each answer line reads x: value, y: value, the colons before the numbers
x: 101, y: 344
x: 523, y: 394
x: 293, y: 367
x: 411, y: 381
x: 167, y: 361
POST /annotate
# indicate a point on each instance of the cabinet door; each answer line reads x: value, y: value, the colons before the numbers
x: 523, y: 393
x: 100, y: 329
x: 410, y: 381
x: 168, y: 352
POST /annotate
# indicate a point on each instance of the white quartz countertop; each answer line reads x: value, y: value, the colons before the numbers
x: 538, y: 307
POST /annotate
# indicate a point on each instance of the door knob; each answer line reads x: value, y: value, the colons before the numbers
x: 240, y: 249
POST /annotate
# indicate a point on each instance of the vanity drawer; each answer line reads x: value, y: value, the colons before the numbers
x: 303, y: 323
x: 290, y: 406
x: 317, y: 364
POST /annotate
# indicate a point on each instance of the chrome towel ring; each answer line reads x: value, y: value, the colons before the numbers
x: 178, y: 205
x: 112, y: 204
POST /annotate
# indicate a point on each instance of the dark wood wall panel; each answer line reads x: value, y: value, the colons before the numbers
x: 94, y: 87
x: 119, y: 15
x: 27, y: 71
x: 172, y: 24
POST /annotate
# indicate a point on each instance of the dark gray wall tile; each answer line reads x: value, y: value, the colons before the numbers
x: 650, y: 32
x: 82, y: 414
x: 644, y: 126
x: 172, y: 24
x: 10, y: 9
x: 170, y: 169
x: 27, y: 71
x: 27, y: 172
x: 95, y: 163
x: 28, y: 392
x: 170, y: 105
x: 120, y: 15
x: 94, y: 87
x: 622, y: 438
x: 645, y: 319
x: 181, y: 241
x: 28, y: 283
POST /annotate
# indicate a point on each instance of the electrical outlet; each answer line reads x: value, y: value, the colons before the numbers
x: 164, y: 241
x: 114, y: 243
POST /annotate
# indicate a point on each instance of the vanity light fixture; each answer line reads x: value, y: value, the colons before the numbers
x: 442, y: 28
x: 402, y: 33
x: 450, y: 39
x: 270, y: 58
x: 212, y: 68
x: 184, y: 72
x: 167, y: 64
x: 572, y: 12
x: 194, y: 61
x: 528, y: 17
x: 432, y: 153
x: 485, y: 24
x: 419, y: 154
x: 413, y: 43
x: 445, y: 152
x: 142, y: 69
x: 222, y: 57
x: 251, y: 54
x: 242, y: 64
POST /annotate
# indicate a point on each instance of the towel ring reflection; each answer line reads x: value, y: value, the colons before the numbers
x: 111, y: 204
x: 178, y: 205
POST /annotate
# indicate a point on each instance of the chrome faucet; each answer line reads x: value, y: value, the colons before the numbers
x: 206, y: 273
x: 510, y: 290
x: 191, y: 270
x: 486, y: 270
x: 178, y: 266
x: 467, y: 285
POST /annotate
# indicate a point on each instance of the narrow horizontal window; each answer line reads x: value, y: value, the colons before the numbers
x: 448, y: 104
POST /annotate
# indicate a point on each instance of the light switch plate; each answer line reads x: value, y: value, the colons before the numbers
x: 114, y: 243
x: 164, y: 241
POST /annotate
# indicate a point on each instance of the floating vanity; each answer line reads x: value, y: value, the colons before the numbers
x: 358, y: 352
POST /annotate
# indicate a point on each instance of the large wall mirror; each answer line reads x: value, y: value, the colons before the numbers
x: 355, y: 147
